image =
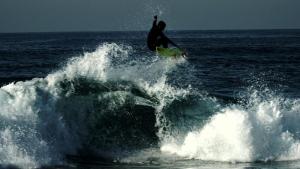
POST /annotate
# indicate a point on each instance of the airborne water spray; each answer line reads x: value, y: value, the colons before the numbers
x: 79, y: 103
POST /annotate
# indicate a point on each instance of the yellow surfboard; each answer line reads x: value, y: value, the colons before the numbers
x: 169, y: 52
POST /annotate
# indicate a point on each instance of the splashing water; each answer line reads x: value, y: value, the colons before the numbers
x: 261, y: 131
x: 78, y: 103
x: 105, y: 104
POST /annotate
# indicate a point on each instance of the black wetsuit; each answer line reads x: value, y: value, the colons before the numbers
x: 157, y: 38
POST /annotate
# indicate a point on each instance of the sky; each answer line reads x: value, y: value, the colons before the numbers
x: 126, y: 15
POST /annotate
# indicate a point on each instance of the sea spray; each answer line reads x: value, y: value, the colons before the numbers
x: 33, y: 132
x: 257, y: 132
x: 85, y: 105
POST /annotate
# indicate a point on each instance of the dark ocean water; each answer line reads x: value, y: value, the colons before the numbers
x: 95, y: 99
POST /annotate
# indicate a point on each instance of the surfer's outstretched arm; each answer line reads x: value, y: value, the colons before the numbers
x: 168, y: 40
x: 174, y: 44
x: 155, y: 21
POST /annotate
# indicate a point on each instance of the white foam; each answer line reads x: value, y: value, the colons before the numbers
x: 260, y: 132
x: 33, y: 133
x: 224, y: 138
x: 11, y: 153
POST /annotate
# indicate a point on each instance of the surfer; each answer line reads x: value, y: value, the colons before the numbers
x: 156, y: 37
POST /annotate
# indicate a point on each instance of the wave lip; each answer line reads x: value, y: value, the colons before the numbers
x: 96, y: 102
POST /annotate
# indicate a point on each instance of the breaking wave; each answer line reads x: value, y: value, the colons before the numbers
x: 106, y: 104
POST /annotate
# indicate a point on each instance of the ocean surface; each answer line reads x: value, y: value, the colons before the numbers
x: 103, y: 100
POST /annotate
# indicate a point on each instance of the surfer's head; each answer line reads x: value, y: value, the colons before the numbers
x: 161, y: 25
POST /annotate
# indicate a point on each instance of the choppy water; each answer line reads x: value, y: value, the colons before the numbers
x: 102, y: 99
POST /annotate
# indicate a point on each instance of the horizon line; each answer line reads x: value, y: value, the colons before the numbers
x: 171, y: 30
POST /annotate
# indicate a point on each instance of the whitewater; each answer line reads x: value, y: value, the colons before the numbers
x: 105, y: 105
